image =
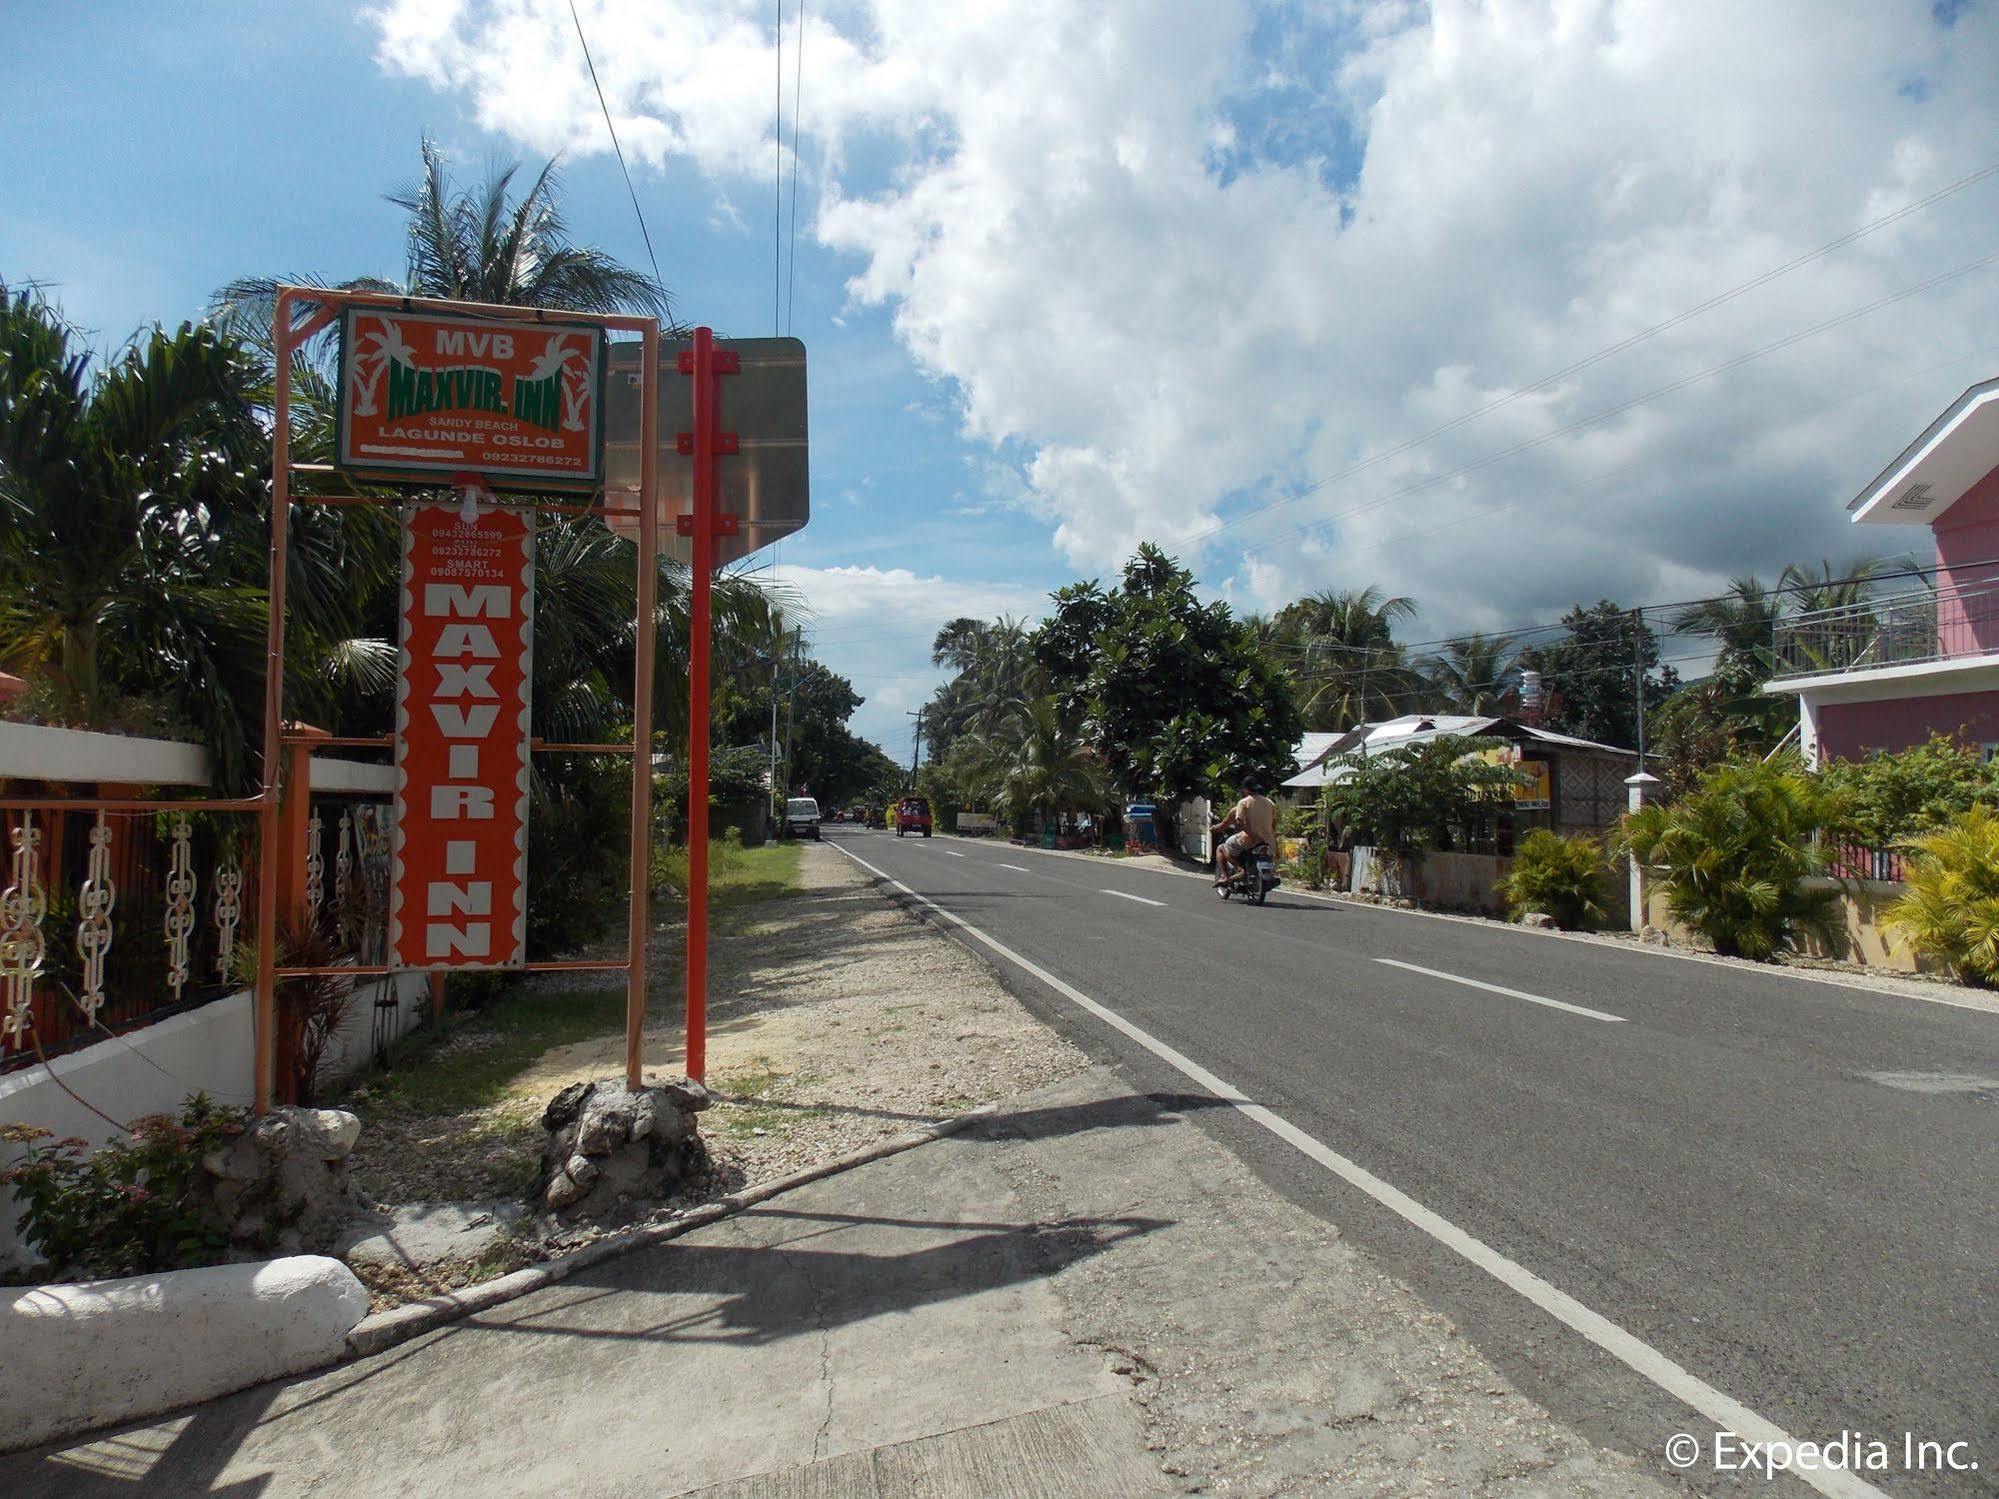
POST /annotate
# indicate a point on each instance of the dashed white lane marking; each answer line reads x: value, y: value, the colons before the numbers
x: 1022, y: 868
x: 954, y: 853
x: 1139, y: 898
x: 1725, y: 1412
x: 1532, y: 999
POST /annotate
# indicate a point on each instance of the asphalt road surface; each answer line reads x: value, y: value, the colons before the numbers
x: 1787, y: 1188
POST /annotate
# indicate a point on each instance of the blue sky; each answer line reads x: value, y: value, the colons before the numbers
x: 1073, y: 276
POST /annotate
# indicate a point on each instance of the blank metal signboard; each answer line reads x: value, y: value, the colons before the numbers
x: 764, y: 485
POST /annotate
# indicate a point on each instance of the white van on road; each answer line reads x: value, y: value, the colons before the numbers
x: 801, y: 818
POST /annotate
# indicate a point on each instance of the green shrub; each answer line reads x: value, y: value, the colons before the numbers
x: 136, y: 1205
x: 1950, y: 912
x: 1733, y: 855
x: 1888, y: 797
x: 1563, y: 877
x: 578, y: 825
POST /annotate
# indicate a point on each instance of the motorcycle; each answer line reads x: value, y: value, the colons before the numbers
x: 1254, y: 876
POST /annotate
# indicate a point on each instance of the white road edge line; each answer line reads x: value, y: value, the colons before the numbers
x: 1634, y: 1353
x: 1022, y: 868
x: 1532, y: 999
x: 1142, y: 900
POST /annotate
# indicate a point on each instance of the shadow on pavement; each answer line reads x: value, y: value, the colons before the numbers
x: 793, y: 1272
x: 813, y: 1286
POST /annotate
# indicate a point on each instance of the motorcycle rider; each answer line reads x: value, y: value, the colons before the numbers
x: 1254, y: 820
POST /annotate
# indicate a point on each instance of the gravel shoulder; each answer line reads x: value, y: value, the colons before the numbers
x: 835, y: 1021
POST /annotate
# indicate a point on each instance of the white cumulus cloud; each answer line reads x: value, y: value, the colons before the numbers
x: 1182, y: 259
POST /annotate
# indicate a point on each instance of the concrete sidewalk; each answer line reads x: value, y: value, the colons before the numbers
x: 1086, y: 1297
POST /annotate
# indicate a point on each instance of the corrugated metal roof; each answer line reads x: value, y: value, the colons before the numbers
x: 1416, y: 728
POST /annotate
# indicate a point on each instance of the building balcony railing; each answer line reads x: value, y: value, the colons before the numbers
x: 1941, y: 624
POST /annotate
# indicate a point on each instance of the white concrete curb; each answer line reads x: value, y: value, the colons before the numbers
x: 79, y: 1356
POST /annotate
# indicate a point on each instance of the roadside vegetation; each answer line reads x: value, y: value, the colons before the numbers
x: 1950, y: 913
x: 1563, y: 878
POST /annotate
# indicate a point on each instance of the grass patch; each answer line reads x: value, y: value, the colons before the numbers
x: 471, y: 1065
x: 738, y: 1123
x: 737, y: 876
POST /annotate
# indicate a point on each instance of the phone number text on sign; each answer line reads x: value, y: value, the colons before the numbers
x: 458, y: 894
x: 516, y: 403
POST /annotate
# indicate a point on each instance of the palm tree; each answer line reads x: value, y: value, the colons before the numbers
x: 475, y: 246
x: 1743, y: 625
x: 1346, y: 664
x: 1843, y: 625
x: 1476, y: 674
x: 1042, y: 766
x: 131, y: 520
x: 481, y: 244
x: 958, y: 644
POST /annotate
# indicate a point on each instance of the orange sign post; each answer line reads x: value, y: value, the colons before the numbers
x: 459, y: 395
x: 458, y: 890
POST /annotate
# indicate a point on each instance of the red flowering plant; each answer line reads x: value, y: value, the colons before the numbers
x: 137, y: 1204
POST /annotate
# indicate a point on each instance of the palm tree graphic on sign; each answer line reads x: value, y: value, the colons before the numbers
x: 559, y: 359
x: 369, y: 366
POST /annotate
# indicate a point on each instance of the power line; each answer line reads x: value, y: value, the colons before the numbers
x: 1774, y: 346
x: 777, y: 182
x: 1609, y: 350
x: 1592, y: 481
x: 1519, y: 632
x: 797, y: 97
x: 645, y: 233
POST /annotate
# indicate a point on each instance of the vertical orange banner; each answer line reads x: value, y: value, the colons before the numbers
x: 458, y: 891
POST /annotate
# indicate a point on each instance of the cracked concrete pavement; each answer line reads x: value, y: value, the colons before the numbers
x: 1086, y: 1296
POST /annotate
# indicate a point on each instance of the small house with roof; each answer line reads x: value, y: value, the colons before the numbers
x: 1574, y: 785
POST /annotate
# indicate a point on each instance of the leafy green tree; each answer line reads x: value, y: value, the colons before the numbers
x: 994, y: 674
x: 1707, y: 723
x: 1733, y: 855
x: 1742, y: 625
x: 1044, y: 768
x: 1587, y: 678
x: 1887, y: 798
x: 1437, y: 793
x: 1173, y: 694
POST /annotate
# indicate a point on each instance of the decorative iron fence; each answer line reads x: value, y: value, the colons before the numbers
x: 1906, y: 629
x: 110, y: 921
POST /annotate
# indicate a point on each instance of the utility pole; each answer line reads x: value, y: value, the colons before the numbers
x: 791, y: 708
x: 1638, y: 676
x: 916, y: 750
x: 776, y: 656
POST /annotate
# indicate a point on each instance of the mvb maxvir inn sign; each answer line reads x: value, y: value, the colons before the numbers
x: 458, y: 889
x: 519, y: 404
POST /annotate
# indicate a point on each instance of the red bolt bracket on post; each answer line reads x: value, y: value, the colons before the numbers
x: 704, y: 364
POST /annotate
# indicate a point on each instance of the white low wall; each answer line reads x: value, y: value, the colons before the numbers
x: 36, y: 752
x: 80, y: 1356
x: 153, y: 1070
x: 1195, y: 817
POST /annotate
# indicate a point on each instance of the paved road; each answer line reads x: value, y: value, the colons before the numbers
x: 1789, y: 1188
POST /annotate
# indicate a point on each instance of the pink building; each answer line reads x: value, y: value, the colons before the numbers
x: 1886, y: 673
